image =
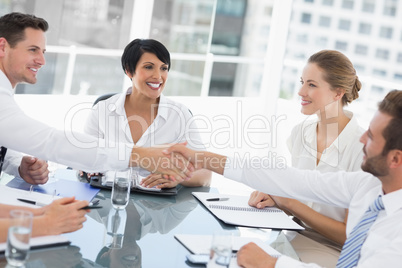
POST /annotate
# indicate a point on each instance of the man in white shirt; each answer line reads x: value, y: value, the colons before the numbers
x: 382, y: 179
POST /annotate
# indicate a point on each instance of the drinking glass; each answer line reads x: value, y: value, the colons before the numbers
x: 121, y: 188
x: 221, y: 250
x: 135, y: 178
x: 116, y: 225
x: 19, y: 233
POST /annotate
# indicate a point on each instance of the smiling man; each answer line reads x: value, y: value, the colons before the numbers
x: 374, y: 197
x: 19, y: 64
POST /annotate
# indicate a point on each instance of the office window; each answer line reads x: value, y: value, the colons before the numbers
x: 359, y: 68
x: 386, y: 32
x: 306, y: 18
x: 347, y: 4
x: 264, y: 31
x: 377, y: 89
x: 344, y: 24
x: 364, y: 28
x: 321, y: 41
x: 382, y: 54
x: 324, y: 21
x: 268, y: 11
x: 302, y: 38
x: 398, y: 76
x: 368, y: 6
x: 327, y: 2
x: 361, y: 49
x: 380, y: 73
x: 390, y: 8
x: 300, y: 56
x: 399, y: 57
x: 185, y: 78
x: 340, y: 45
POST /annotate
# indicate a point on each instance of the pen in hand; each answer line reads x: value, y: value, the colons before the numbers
x: 92, y: 205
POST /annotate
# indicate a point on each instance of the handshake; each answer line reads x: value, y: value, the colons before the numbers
x: 176, y: 162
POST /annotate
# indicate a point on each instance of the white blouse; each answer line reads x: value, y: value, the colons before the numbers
x: 345, y: 153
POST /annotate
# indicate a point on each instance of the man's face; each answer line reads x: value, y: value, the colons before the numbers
x: 374, y: 162
x: 22, y: 62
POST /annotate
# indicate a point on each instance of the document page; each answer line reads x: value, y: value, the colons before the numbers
x: 233, y: 209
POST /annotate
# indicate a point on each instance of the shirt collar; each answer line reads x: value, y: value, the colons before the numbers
x: 392, y: 201
x: 163, y: 107
x: 310, y: 130
x: 341, y: 141
x: 5, y: 83
x: 119, y: 104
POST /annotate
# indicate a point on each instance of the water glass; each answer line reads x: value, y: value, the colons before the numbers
x: 121, y: 188
x: 135, y: 178
x: 116, y: 225
x: 19, y: 233
x: 221, y: 250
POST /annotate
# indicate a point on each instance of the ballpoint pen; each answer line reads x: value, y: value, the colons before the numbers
x: 33, y: 202
x: 218, y: 199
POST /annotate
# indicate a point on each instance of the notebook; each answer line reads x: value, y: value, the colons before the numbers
x: 236, y: 211
x: 43, y: 242
x: 105, y: 182
x: 61, y: 188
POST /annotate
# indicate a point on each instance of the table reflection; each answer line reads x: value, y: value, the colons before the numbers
x: 144, y: 214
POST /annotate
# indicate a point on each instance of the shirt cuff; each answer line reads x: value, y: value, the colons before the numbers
x: 232, y: 170
x: 286, y: 262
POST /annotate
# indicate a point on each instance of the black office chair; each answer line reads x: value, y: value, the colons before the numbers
x: 103, y: 97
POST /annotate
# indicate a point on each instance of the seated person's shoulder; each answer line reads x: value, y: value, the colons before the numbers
x: 177, y: 106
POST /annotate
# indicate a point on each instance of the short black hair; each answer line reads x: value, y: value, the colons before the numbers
x: 136, y: 48
x: 13, y: 25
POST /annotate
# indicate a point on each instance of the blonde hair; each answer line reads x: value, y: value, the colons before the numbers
x: 339, y: 73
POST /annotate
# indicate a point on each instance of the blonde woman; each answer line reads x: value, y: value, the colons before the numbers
x: 329, y: 143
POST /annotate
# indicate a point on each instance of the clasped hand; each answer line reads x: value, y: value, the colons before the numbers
x: 33, y: 170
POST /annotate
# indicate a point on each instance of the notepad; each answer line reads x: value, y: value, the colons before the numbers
x: 236, y: 211
x: 10, y: 195
x: 63, y: 188
x: 43, y: 242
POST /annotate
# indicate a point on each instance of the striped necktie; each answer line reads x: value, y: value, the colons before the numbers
x: 3, y: 151
x: 350, y: 253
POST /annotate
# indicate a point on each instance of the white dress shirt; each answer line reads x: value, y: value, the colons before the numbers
x: 353, y: 190
x: 345, y: 153
x: 172, y: 124
x: 22, y: 133
x: 12, y: 162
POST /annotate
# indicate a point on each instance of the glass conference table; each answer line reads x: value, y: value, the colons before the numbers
x: 145, y: 232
